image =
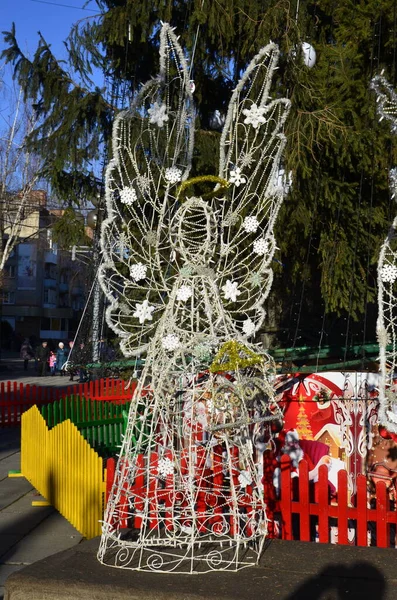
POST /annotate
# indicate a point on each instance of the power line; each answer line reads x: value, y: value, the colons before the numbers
x: 64, y: 5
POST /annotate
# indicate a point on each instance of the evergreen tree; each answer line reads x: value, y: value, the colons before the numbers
x: 338, y: 209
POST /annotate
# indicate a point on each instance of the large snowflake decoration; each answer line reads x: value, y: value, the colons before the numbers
x: 237, y: 177
x: 388, y: 273
x: 158, y: 114
x: 184, y: 293
x: 173, y: 175
x: 128, y: 196
x: 230, y: 290
x: 143, y: 311
x: 261, y: 247
x: 254, y: 116
x: 251, y: 224
x: 138, y: 271
x: 170, y: 342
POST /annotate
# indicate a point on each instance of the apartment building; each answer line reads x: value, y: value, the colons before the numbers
x: 43, y: 290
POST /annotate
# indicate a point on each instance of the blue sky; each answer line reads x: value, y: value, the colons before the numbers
x: 52, y: 18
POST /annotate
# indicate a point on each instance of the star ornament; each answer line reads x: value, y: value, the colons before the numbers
x: 143, y: 311
x: 254, y: 116
x: 230, y: 290
x: 158, y: 114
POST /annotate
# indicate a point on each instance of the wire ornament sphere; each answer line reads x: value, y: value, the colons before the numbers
x: 186, y: 276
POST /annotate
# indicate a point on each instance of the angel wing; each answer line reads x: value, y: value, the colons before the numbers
x: 152, y: 150
x: 387, y: 278
x: 251, y: 149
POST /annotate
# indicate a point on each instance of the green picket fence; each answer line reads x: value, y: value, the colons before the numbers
x: 82, y: 410
x: 102, y: 424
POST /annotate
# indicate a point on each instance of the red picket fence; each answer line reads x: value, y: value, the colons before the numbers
x: 307, y: 513
x: 16, y: 398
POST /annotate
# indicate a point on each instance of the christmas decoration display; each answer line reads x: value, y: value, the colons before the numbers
x: 387, y: 274
x: 190, y: 480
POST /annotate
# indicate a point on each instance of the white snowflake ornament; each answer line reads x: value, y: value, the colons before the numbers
x: 248, y: 327
x: 158, y: 114
x: 244, y: 478
x: 128, y: 196
x: 254, y: 116
x: 165, y: 467
x: 237, y: 177
x: 138, y: 271
x: 170, y: 342
x: 261, y: 247
x: 230, y: 290
x: 173, y: 175
x: 184, y: 293
x: 389, y: 273
x: 251, y: 224
x: 143, y: 311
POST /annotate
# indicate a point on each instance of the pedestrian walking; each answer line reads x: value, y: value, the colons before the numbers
x: 43, y: 354
x: 26, y: 353
x: 62, y: 356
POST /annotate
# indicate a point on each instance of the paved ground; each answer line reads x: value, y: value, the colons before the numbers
x: 27, y: 534
x: 11, y: 369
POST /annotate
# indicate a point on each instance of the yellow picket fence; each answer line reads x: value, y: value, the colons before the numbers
x: 63, y: 467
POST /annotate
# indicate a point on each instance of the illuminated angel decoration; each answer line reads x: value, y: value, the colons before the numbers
x: 186, y: 272
x: 387, y: 279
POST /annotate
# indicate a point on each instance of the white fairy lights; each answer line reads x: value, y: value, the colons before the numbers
x: 186, y: 284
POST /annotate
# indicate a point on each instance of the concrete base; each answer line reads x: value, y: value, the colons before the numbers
x: 288, y: 571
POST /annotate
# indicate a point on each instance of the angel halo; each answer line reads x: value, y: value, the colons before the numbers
x: 186, y: 277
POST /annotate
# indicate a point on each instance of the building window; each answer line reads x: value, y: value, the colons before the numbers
x: 54, y: 324
x: 9, y: 271
x: 7, y: 297
x: 50, y: 297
